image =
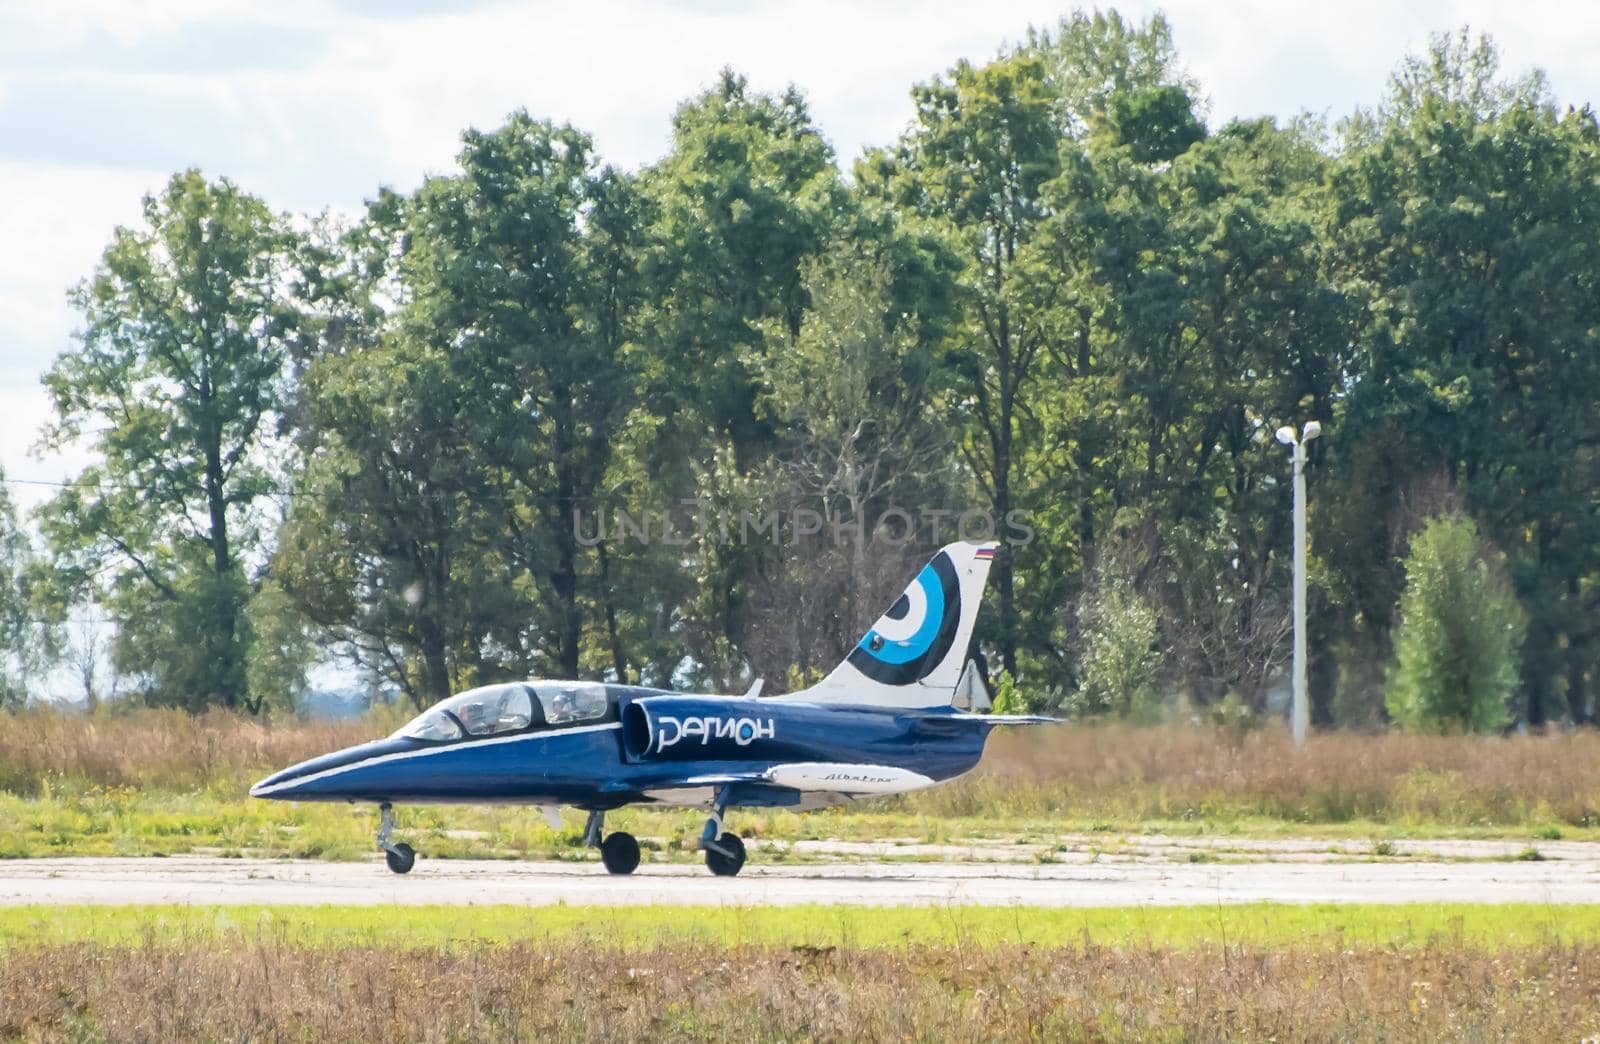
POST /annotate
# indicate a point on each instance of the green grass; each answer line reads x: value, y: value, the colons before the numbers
x: 1479, y: 926
x: 159, y: 782
x: 125, y: 821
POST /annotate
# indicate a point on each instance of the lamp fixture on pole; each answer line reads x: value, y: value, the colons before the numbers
x: 1300, y: 709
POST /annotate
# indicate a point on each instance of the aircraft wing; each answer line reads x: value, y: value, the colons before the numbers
x: 713, y: 779
x: 958, y: 721
x: 718, y: 779
x: 806, y: 777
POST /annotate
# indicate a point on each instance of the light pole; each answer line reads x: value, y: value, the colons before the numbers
x: 1300, y: 710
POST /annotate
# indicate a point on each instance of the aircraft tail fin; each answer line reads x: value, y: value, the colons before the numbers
x: 914, y: 654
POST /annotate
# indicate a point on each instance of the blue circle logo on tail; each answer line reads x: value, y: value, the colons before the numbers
x: 911, y: 639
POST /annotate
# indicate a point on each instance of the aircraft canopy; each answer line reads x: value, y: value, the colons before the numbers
x: 492, y: 710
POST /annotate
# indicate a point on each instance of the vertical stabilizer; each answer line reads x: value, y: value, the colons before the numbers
x: 913, y: 656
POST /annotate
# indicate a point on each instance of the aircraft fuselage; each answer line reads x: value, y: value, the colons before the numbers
x: 656, y: 746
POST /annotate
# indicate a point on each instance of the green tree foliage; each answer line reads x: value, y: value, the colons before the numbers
x: 983, y: 145
x: 1199, y: 321
x: 1460, y: 631
x: 853, y: 388
x: 389, y: 505
x: 508, y: 284
x: 282, y: 645
x: 1157, y: 124
x: 1059, y: 293
x: 748, y: 192
x: 176, y: 384
x: 855, y: 398
x: 1458, y: 221
x: 1119, y: 661
x: 977, y: 165
x: 1093, y: 58
x: 448, y: 450
x: 30, y: 631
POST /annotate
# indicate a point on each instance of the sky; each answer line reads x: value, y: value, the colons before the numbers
x: 314, y: 105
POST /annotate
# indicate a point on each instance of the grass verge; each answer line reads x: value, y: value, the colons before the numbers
x: 162, y: 782
x: 1409, y: 925
x: 226, y: 986
x: 124, y: 821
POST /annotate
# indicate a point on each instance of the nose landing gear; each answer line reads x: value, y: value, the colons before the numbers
x: 619, y: 852
x: 400, y: 857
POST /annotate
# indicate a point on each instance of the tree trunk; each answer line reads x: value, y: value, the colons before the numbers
x: 1577, y: 681
x: 1322, y: 676
x: 225, y: 672
x: 1004, y: 581
x: 619, y: 660
x: 435, y: 659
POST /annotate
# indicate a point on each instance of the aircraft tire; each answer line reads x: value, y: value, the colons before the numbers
x: 720, y: 864
x: 620, y: 853
x: 401, y: 858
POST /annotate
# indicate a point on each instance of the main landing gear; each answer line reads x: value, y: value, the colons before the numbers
x: 724, y: 851
x: 619, y: 851
x: 400, y: 857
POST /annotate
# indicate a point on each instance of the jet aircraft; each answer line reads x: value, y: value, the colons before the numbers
x: 885, y: 721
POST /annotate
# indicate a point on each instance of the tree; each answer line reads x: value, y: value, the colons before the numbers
x: 29, y: 618
x: 1194, y: 288
x: 983, y: 144
x: 986, y: 142
x: 1460, y: 630
x: 746, y: 195
x: 282, y: 647
x: 1460, y: 222
x: 383, y: 546
x: 1094, y: 59
x: 521, y: 272
x: 1119, y: 660
x: 176, y: 384
x: 854, y: 397
x: 748, y: 192
x: 450, y: 441
x: 84, y: 654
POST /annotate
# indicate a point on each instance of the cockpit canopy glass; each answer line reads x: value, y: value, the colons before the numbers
x: 431, y: 725
x: 493, y: 710
x: 565, y: 703
x: 487, y: 711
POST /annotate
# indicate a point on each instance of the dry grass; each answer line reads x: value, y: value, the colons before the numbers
x: 1170, y: 772
x: 158, y: 749
x: 269, y: 990
x: 1117, y: 774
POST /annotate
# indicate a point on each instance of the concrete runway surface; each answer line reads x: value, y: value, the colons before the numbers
x: 1571, y: 878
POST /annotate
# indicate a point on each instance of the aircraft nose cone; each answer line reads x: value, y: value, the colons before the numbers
x: 279, y: 784
x: 264, y: 787
x: 302, y: 780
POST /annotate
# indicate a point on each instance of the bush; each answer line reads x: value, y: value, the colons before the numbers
x: 1119, y: 663
x: 1456, y: 651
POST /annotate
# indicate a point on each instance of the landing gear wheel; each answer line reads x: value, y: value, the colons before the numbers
x: 722, y: 865
x: 400, y: 858
x: 620, y: 853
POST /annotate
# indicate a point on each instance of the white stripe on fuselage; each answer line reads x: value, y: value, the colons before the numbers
x: 403, y: 755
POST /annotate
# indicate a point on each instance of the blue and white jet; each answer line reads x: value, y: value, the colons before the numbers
x: 885, y: 721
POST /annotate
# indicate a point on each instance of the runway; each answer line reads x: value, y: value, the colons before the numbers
x: 207, y: 880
